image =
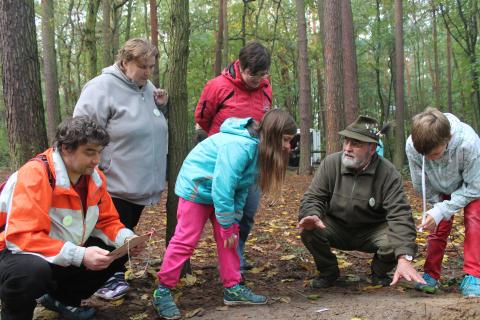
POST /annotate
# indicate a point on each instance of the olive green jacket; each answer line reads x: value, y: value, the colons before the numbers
x: 362, y: 200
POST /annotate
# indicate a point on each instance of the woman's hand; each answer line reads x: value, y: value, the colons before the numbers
x: 160, y: 96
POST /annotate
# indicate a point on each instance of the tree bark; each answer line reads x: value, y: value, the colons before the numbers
x: 129, y: 20
x: 219, y: 43
x: 436, y: 67
x: 154, y: 28
x: 52, y: 99
x: 107, y: 33
x: 90, y: 38
x: 399, y: 155
x: 225, y: 32
x: 178, y: 101
x: 22, y: 93
x: 350, y: 92
x: 305, y: 96
x: 449, y: 73
x: 333, y: 74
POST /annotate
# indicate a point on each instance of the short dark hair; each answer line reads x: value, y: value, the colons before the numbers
x: 255, y: 57
x: 74, y: 132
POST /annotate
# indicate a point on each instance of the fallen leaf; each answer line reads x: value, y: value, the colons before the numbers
x: 139, y: 316
x: 222, y: 308
x: 368, y: 288
x: 286, y: 258
x: 313, y: 297
x: 193, y: 313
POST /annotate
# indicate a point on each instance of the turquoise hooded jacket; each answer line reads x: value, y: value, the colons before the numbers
x: 220, y: 169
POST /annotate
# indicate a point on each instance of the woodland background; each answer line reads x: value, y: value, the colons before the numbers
x: 331, y: 60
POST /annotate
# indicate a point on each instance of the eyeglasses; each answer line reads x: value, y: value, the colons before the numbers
x: 258, y: 75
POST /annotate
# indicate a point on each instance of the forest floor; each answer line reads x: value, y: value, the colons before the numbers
x: 283, y: 269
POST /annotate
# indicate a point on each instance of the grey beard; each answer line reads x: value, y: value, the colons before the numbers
x: 353, y: 164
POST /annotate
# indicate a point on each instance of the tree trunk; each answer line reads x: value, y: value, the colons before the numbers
x: 154, y: 24
x: 305, y: 96
x: 145, y: 18
x: 436, y: 67
x: 350, y: 91
x: 449, y: 73
x: 22, y: 93
x: 333, y: 74
x: 225, y: 32
x: 219, y: 43
x: 107, y: 33
x: 399, y: 155
x: 52, y: 99
x: 178, y: 101
x: 129, y: 20
x: 90, y: 38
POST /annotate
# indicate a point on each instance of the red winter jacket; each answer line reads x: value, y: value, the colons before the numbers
x: 227, y: 96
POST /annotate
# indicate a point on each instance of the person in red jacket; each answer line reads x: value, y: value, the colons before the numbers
x: 60, y: 225
x: 242, y: 90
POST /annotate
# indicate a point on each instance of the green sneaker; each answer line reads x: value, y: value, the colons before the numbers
x: 239, y: 294
x: 164, y: 304
x: 431, y: 286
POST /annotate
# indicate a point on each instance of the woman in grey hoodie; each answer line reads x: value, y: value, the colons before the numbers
x: 128, y: 105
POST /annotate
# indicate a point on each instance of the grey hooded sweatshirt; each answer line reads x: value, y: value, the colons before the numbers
x: 455, y: 173
x: 134, y: 161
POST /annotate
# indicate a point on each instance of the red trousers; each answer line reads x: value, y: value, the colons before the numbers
x: 437, y: 242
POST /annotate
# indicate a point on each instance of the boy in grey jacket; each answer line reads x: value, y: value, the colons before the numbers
x: 444, y: 158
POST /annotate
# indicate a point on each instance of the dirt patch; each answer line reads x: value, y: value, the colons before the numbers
x: 282, y: 271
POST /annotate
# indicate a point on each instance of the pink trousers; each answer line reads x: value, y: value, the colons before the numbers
x: 437, y: 242
x: 191, y: 219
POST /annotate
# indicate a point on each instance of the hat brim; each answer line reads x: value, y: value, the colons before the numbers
x: 357, y: 136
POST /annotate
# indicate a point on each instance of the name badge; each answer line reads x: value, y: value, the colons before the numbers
x: 156, y: 112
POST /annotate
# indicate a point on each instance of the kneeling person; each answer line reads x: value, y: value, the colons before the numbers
x: 356, y: 202
x: 59, y: 221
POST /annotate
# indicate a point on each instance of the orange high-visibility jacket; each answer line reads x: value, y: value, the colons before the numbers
x: 49, y: 222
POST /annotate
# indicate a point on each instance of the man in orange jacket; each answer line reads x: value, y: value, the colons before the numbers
x: 60, y: 226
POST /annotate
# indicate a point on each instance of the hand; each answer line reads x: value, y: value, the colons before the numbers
x: 96, y: 258
x: 160, y: 96
x: 407, y: 271
x: 310, y: 223
x: 230, y: 235
x: 429, y: 224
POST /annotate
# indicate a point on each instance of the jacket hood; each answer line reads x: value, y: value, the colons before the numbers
x: 115, y: 71
x: 237, y: 126
x: 232, y: 73
x: 456, y: 130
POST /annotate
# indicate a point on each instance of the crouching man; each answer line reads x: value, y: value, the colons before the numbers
x: 356, y: 202
x: 58, y: 222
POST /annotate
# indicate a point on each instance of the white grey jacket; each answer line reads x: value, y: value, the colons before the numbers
x: 134, y: 161
x: 456, y: 173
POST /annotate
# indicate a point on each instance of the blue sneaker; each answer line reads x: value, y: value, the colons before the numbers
x: 67, y: 312
x: 239, y: 294
x: 470, y: 286
x: 164, y: 304
x: 430, y: 287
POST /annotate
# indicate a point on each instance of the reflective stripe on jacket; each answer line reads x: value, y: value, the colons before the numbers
x: 50, y: 222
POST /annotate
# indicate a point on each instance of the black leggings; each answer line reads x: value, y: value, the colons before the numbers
x: 26, y: 277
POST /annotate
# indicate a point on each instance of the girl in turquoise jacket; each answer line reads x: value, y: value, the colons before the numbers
x: 213, y: 184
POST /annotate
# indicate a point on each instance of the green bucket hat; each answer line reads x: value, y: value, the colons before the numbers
x: 362, y: 129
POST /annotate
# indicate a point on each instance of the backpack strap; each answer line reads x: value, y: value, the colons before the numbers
x: 43, y: 158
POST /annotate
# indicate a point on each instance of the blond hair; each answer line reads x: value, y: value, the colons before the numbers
x: 272, y: 159
x: 136, y: 49
x: 430, y: 129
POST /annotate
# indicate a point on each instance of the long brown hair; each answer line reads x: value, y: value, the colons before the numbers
x: 272, y: 159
